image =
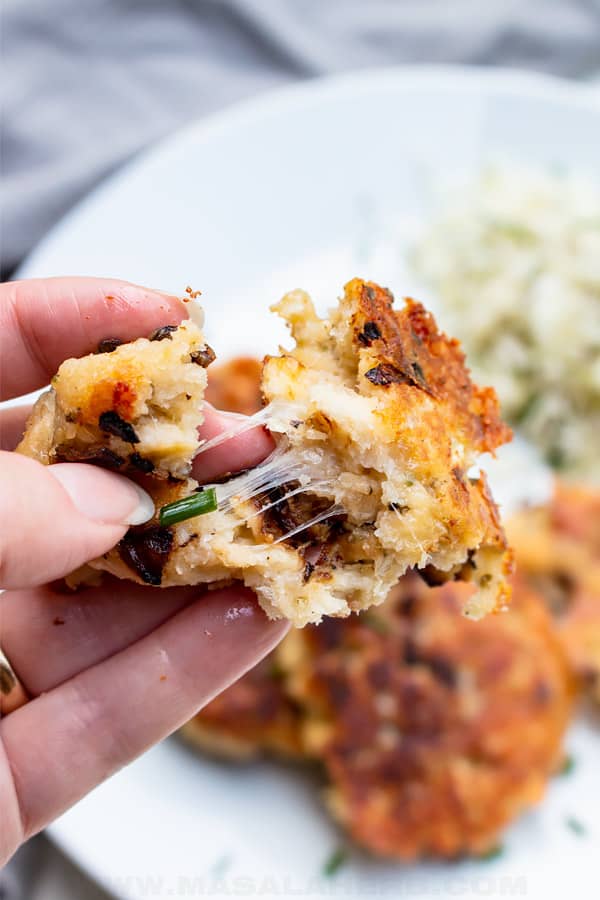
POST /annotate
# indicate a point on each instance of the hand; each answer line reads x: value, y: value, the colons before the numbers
x: 110, y: 670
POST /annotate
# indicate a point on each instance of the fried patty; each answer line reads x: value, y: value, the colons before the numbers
x: 557, y: 549
x: 255, y: 715
x: 435, y: 732
x: 376, y: 423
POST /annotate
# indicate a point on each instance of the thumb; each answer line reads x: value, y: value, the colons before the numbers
x: 55, y: 518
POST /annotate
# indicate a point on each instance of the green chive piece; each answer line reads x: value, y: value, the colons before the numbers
x: 197, y: 504
x: 275, y: 671
x: 220, y: 868
x: 492, y: 853
x: 374, y: 622
x: 335, y: 862
x: 567, y: 767
x: 576, y: 826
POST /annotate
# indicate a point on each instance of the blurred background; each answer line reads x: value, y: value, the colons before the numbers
x: 88, y: 84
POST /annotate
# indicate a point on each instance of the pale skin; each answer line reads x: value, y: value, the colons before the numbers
x: 111, y: 670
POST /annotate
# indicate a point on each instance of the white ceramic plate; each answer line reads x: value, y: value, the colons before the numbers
x: 307, y: 187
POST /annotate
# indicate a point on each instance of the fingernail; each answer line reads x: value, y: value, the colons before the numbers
x: 104, y: 496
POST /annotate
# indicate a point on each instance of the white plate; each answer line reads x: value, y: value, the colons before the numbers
x: 307, y: 187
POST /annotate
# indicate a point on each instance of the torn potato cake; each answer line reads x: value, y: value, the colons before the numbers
x: 376, y: 424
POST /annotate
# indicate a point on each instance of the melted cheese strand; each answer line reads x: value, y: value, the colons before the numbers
x: 303, y: 489
x: 275, y: 412
x: 246, y: 423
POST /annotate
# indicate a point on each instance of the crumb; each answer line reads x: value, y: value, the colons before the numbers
x: 335, y: 862
x: 577, y: 827
x: 163, y: 678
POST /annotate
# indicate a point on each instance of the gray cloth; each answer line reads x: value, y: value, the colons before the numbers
x: 87, y: 83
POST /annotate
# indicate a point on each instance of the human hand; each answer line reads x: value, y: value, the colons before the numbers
x: 110, y: 670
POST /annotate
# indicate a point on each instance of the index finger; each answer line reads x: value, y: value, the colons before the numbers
x: 43, y: 321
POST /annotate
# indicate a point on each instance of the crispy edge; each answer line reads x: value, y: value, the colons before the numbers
x: 411, y: 350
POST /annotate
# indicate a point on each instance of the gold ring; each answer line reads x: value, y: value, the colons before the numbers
x: 12, y: 692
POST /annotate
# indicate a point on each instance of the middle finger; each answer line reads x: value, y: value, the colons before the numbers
x: 50, y: 634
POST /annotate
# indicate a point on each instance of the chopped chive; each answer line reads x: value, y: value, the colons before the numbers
x: 335, y: 862
x: 555, y: 458
x: 512, y: 230
x: 374, y: 622
x: 567, y: 766
x: 221, y: 867
x: 575, y: 826
x: 197, y: 504
x: 493, y: 853
x: 275, y: 671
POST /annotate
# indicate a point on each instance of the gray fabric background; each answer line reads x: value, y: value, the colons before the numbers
x: 87, y: 83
